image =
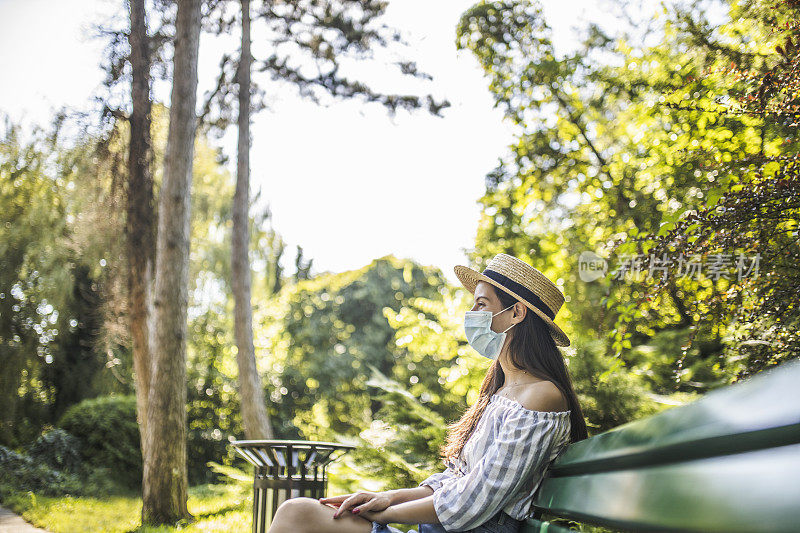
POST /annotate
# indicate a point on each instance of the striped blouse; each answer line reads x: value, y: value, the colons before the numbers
x: 501, y: 465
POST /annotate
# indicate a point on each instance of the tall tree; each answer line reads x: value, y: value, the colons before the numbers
x: 254, y: 411
x: 616, y: 154
x: 139, y: 228
x: 348, y: 19
x: 165, y: 475
x: 323, y: 36
x: 753, y: 198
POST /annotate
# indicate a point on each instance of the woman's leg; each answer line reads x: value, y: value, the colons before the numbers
x: 308, y: 515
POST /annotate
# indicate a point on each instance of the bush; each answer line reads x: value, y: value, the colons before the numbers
x: 109, y: 435
x: 57, y: 449
x: 19, y: 472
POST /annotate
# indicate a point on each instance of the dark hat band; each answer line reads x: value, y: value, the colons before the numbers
x: 521, y: 290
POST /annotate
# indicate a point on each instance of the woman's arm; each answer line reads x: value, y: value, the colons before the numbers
x: 406, y: 495
x: 419, y: 511
x: 364, y: 501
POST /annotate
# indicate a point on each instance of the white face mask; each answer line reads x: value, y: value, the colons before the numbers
x: 478, y: 328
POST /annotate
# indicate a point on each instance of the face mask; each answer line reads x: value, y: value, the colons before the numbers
x: 478, y: 328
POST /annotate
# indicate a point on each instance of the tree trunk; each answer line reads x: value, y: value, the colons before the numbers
x: 164, y: 490
x: 254, y: 412
x: 139, y: 224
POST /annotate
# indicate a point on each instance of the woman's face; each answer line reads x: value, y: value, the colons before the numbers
x: 486, y: 300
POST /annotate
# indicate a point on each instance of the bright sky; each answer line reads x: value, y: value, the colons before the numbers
x: 346, y: 182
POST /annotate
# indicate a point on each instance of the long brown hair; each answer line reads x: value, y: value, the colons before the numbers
x: 531, y: 348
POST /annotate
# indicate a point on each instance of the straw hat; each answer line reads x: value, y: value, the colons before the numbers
x: 523, y: 282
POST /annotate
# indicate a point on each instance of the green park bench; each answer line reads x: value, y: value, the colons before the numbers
x: 728, y: 462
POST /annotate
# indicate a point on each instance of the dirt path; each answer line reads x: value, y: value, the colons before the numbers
x: 11, y: 523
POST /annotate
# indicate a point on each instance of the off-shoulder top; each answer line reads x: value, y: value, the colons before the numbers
x: 501, y: 465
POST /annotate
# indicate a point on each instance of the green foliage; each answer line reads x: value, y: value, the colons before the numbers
x: 57, y: 449
x: 57, y: 236
x: 352, y: 350
x: 754, y: 205
x: 19, y: 472
x: 63, y: 316
x: 620, y: 142
x: 401, y: 443
x: 323, y: 334
x: 608, y: 397
x: 38, y: 271
x: 109, y: 436
x: 213, y: 405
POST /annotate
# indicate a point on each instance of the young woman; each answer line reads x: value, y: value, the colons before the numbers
x: 497, y: 453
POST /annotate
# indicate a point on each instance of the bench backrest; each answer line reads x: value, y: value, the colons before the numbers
x: 727, y: 462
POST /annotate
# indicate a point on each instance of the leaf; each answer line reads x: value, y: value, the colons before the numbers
x: 665, y: 228
x: 713, y: 197
x: 231, y: 472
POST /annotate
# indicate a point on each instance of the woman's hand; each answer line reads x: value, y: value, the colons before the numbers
x: 359, y: 502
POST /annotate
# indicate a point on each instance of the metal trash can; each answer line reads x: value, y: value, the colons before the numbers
x: 286, y: 469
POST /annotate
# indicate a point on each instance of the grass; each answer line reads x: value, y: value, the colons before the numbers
x: 214, y: 507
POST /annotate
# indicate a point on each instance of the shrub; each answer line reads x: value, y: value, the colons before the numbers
x: 109, y: 435
x: 57, y: 449
x: 22, y: 473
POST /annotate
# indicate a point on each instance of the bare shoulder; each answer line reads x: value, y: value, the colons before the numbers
x: 543, y: 396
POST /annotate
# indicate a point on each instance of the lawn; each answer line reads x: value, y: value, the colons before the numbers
x: 214, y: 507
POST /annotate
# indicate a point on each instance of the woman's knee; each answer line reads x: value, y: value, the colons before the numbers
x: 289, y: 515
x: 297, y: 507
x: 308, y: 514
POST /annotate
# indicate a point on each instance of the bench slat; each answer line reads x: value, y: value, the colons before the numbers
x: 760, y: 412
x: 727, y: 494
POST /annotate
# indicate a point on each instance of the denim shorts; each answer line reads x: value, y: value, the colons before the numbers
x: 499, y: 523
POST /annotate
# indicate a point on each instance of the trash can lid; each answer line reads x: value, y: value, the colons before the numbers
x: 282, y: 453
